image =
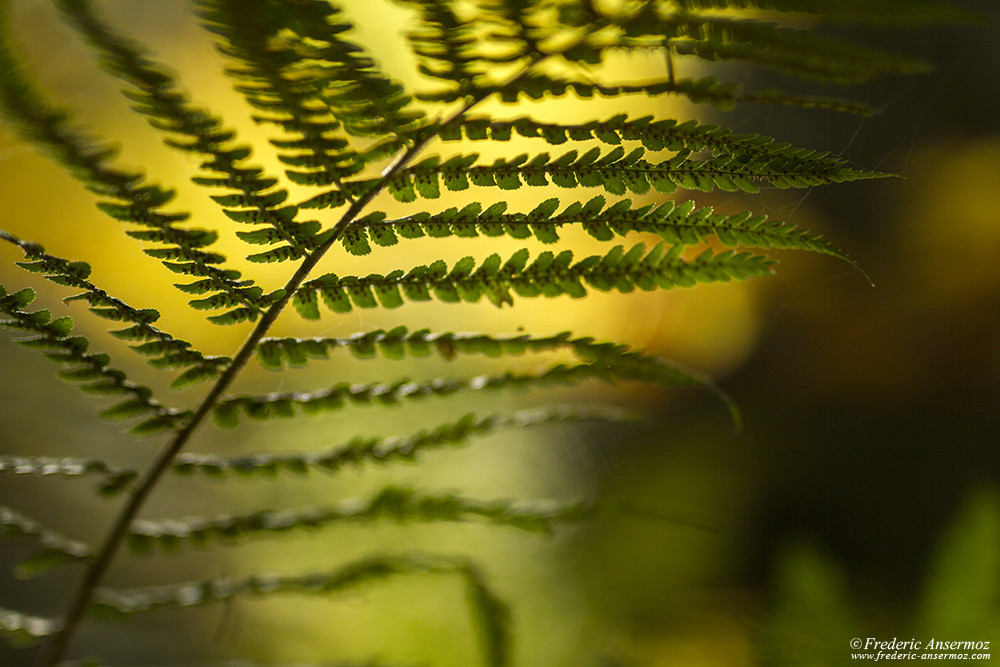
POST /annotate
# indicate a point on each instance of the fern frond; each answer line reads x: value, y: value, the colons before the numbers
x: 399, y: 342
x: 386, y: 450
x: 802, y: 53
x: 615, y: 359
x: 162, y: 349
x: 266, y: 68
x: 447, y: 46
x: 549, y: 275
x: 706, y: 90
x: 537, y: 85
x: 491, y: 613
x: 155, y: 95
x: 398, y: 504
x: 54, y: 549
x: 275, y: 405
x: 23, y: 629
x: 675, y: 223
x: 50, y: 129
x: 654, y: 135
x: 359, y: 450
x: 740, y: 162
x: 293, y: 55
x: 520, y: 24
x: 113, y: 479
x: 619, y: 172
x: 885, y: 12
x: 93, y: 371
x: 338, y: 117
x: 797, y: 52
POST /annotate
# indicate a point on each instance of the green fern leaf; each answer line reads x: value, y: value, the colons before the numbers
x: 655, y: 135
x: 53, y: 549
x: 620, y: 173
x: 549, y: 275
x: 386, y: 450
x: 265, y: 64
x: 155, y: 95
x: 271, y: 40
x: 886, y: 12
x: 398, y: 343
x: 113, y: 479
x: 537, y: 86
x: 162, y: 350
x: 91, y: 370
x: 798, y: 52
x: 23, y: 629
x: 706, y: 90
x: 491, y: 613
x: 447, y: 46
x: 393, y: 503
x: 674, y: 223
x: 633, y: 368
x: 52, y: 131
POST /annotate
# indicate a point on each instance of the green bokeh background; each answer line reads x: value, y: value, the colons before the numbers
x: 859, y: 500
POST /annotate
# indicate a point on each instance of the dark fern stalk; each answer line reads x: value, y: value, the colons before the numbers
x: 354, y: 133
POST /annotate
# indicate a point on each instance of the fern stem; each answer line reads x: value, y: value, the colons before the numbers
x: 54, y: 651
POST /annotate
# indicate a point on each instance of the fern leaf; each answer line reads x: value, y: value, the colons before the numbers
x: 798, y: 52
x: 616, y: 359
x: 675, y: 223
x: 54, y: 549
x: 706, y: 90
x: 92, y: 371
x: 886, y: 12
x: 265, y: 65
x: 549, y: 275
x: 295, y: 59
x: 23, y: 629
x: 114, y: 479
x: 448, y: 47
x: 655, y: 135
x: 134, y: 601
x: 781, y: 98
x: 398, y: 504
x: 399, y: 342
x: 629, y: 368
x: 336, y: 114
x: 491, y: 612
x: 196, y: 130
x: 386, y: 450
x: 161, y: 349
x: 619, y: 172
x: 537, y: 86
x: 52, y: 131
x: 520, y: 23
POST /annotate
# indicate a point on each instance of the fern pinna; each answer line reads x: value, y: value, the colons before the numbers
x: 351, y: 137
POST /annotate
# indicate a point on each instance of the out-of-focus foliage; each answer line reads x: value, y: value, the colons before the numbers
x: 813, y: 617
